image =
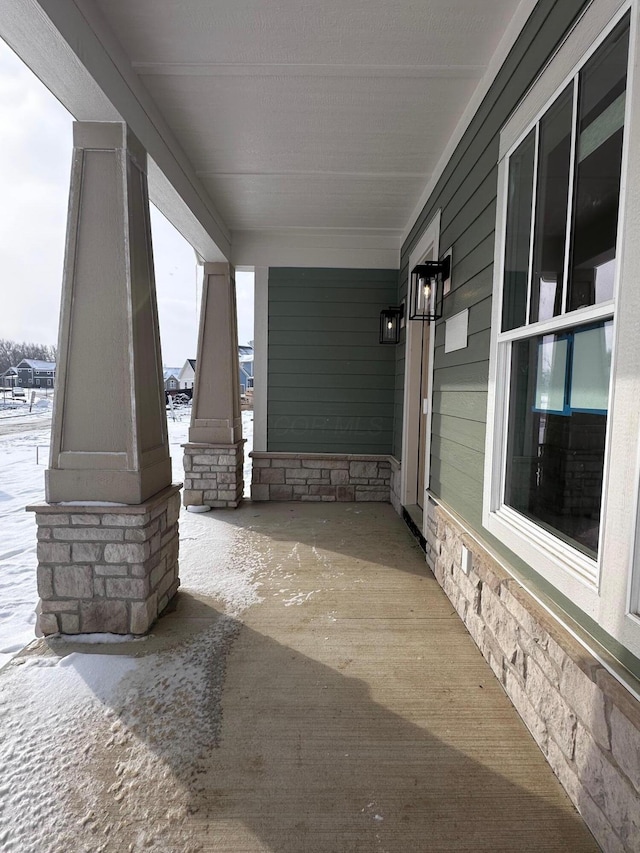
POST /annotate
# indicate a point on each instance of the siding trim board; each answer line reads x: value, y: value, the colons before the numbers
x: 428, y: 247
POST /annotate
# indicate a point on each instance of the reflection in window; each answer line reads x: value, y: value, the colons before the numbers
x: 516, y: 267
x: 601, y: 109
x: 554, y: 159
x: 591, y: 368
x: 557, y: 427
x: 551, y: 377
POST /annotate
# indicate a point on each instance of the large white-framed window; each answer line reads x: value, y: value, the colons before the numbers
x: 561, y: 419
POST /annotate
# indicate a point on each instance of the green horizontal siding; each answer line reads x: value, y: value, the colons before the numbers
x: 353, y: 396
x: 278, y: 368
x: 299, y: 308
x: 331, y: 385
x: 466, y: 196
x: 465, y: 432
x: 468, y: 462
x: 329, y: 381
x: 461, y: 378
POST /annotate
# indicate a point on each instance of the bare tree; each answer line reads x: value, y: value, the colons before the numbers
x: 12, y: 352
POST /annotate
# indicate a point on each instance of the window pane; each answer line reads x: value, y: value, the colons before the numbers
x: 555, y: 458
x: 598, y: 167
x: 516, y: 266
x: 551, y: 208
x: 551, y: 377
x: 591, y: 368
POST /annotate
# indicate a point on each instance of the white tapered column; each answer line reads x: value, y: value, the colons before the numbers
x: 109, y: 436
x: 214, y: 455
x: 108, y: 531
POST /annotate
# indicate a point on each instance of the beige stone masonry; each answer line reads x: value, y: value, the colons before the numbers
x: 584, y: 720
x: 105, y: 568
x: 319, y: 477
x: 213, y: 474
x: 395, y: 485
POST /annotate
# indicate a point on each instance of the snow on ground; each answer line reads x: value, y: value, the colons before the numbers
x: 103, y: 753
x: 103, y: 750
x: 20, y: 412
x: 22, y: 483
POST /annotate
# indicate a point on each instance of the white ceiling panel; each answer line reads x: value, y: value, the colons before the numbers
x: 351, y: 32
x: 269, y: 123
x: 309, y: 114
x: 312, y: 201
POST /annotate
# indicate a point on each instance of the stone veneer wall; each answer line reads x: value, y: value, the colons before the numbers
x: 106, y: 568
x: 213, y: 474
x: 582, y: 718
x: 395, y: 485
x: 319, y: 477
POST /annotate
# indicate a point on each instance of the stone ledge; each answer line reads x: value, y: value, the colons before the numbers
x: 349, y: 457
x: 97, y: 508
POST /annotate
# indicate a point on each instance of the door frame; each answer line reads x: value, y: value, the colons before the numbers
x: 429, y: 243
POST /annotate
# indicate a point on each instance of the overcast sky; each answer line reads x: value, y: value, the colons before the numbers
x: 36, y: 147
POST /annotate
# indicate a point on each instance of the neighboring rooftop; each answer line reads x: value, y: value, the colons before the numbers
x: 36, y: 364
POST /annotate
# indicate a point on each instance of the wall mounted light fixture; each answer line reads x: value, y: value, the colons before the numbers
x: 427, y: 289
x: 390, y: 324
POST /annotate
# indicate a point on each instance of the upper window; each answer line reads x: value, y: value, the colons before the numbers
x: 554, y: 343
x: 563, y: 195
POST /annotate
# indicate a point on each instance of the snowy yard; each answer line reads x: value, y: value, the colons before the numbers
x: 24, y: 445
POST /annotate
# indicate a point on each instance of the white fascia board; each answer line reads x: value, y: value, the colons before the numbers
x: 326, y: 247
x: 261, y: 357
x: 69, y: 46
x: 516, y: 25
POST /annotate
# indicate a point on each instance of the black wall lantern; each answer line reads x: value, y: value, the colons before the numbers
x: 390, y: 324
x: 427, y: 289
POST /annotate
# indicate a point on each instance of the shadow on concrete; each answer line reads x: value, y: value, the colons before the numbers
x: 365, y: 532
x: 267, y: 748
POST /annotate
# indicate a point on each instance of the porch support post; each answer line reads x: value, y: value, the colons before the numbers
x: 213, y: 457
x: 108, y: 531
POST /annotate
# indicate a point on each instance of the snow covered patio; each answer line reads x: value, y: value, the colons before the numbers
x: 312, y: 691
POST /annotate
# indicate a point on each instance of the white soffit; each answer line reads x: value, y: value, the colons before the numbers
x: 306, y: 114
x: 323, y: 117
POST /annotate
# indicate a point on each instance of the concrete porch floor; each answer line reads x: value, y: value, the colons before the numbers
x: 312, y: 691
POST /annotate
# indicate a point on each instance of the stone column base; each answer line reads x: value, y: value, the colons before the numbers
x: 213, y: 474
x: 107, y: 568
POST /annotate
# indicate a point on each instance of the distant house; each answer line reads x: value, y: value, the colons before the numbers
x: 9, y: 379
x: 33, y: 373
x: 172, y: 379
x: 245, y: 358
x: 245, y: 362
x: 187, y: 375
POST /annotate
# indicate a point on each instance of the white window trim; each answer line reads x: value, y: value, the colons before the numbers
x: 603, y: 588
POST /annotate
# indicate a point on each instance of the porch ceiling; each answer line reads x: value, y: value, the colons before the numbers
x: 278, y: 131
x: 311, y: 115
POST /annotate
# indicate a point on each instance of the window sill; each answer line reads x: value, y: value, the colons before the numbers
x: 572, y: 573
